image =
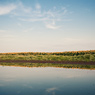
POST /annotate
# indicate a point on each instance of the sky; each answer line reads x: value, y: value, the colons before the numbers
x: 47, y: 25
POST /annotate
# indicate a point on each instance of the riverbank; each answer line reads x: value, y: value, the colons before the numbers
x: 48, y: 61
x: 71, y: 59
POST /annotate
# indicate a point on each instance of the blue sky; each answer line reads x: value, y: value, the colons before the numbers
x: 47, y: 25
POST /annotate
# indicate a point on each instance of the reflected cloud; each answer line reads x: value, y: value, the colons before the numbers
x: 45, y: 81
x: 51, y: 89
x: 28, y: 86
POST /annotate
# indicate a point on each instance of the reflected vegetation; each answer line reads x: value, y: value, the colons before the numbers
x: 46, y: 81
x: 81, y: 66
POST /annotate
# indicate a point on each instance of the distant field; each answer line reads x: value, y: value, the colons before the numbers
x: 85, y: 56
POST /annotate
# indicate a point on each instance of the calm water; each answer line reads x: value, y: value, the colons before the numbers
x: 46, y: 81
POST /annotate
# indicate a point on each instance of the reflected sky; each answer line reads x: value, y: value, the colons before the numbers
x: 46, y: 81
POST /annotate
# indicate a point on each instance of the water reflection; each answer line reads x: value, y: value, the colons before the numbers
x: 46, y: 81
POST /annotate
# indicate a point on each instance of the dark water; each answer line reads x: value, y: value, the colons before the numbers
x: 46, y: 81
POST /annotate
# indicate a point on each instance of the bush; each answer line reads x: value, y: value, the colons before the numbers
x: 87, y: 56
x: 92, y: 58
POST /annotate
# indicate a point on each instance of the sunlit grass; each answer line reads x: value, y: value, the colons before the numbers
x: 86, y: 57
x: 57, y: 56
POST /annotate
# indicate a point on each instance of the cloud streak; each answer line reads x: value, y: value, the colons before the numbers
x: 7, y: 9
x: 38, y: 6
x: 51, y: 26
x: 48, y: 17
x: 21, y: 7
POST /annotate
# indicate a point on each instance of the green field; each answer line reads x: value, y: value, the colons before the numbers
x: 54, y: 56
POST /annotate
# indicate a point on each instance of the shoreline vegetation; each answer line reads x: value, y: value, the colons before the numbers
x: 73, y: 66
x: 72, y: 59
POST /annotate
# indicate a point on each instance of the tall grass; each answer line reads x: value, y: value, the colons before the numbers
x: 56, y: 56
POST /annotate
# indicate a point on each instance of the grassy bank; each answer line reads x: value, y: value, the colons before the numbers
x: 49, y: 65
x: 53, y: 56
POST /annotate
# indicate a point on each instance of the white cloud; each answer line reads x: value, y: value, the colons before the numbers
x: 51, y: 26
x: 34, y: 19
x: 7, y: 9
x: 50, y: 13
x: 49, y: 17
x: 28, y: 10
x: 64, y: 10
x: 23, y: 8
x: 38, y: 6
